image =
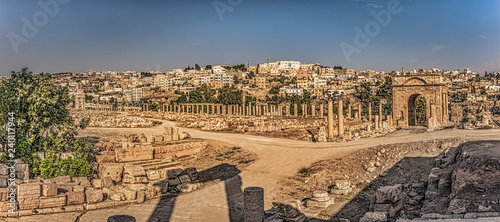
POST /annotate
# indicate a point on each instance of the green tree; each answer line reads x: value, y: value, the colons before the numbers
x: 196, y: 97
x: 41, y: 116
x: 182, y: 99
x: 208, y: 67
x: 230, y: 95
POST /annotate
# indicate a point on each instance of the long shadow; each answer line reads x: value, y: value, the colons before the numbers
x: 223, y: 172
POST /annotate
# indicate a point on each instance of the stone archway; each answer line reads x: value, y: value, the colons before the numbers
x: 405, y: 91
x: 417, y: 115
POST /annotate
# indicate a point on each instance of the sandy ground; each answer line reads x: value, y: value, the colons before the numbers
x: 277, y: 159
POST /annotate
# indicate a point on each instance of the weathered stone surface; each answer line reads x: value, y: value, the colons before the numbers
x: 117, y: 196
x: 134, y: 154
x: 184, y: 179
x: 94, y: 196
x: 53, y: 201
x: 112, y: 170
x: 75, y: 198
x: 134, y: 170
x: 253, y: 207
x: 107, y: 182
x: 187, y: 187
x: 173, y: 173
x: 4, y: 171
x: 29, y: 190
x: 174, y: 182
x: 61, y: 179
x: 78, y: 188
x: 97, y: 183
x: 342, y: 184
x: 191, y: 172
x: 389, y: 194
x: 3, y: 194
x: 22, y: 171
x: 373, y: 217
x: 28, y: 203
x: 82, y: 181
x: 153, y: 175
x: 141, y: 196
x: 130, y: 194
x: 49, y: 189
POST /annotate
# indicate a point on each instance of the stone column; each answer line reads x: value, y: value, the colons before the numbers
x: 253, y: 204
x: 330, y: 118
x: 287, y: 111
x: 380, y: 113
x: 321, y: 110
x: 359, y: 111
x: 349, y: 112
x: 377, y: 122
x: 341, y: 118
x: 248, y: 111
x: 295, y: 110
x: 369, y: 112
x: 313, y: 110
x: 304, y: 110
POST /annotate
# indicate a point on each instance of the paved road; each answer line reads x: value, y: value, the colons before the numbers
x: 277, y: 158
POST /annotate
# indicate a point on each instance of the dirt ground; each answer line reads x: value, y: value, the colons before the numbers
x: 279, y: 160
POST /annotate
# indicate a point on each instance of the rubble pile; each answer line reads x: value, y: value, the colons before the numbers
x: 110, y: 119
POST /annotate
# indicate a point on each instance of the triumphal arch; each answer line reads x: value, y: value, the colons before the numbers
x: 434, y: 91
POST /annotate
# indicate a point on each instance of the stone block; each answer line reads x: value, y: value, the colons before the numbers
x: 78, y: 188
x: 82, y: 181
x: 374, y: 217
x: 4, y: 192
x: 320, y: 204
x: 131, y: 179
x: 341, y: 192
x: 117, y: 196
x: 22, y: 171
x: 4, y: 171
x: 61, y: 179
x: 173, y: 173
x: 75, y: 198
x: 64, y: 188
x: 389, y: 194
x: 184, y: 179
x: 112, y: 170
x: 191, y: 172
x: 342, y: 184
x: 29, y: 190
x: 3, y: 181
x: 134, y: 154
x: 53, y: 201
x: 174, y: 182
x: 28, y: 203
x: 130, y: 194
x: 94, y: 196
x: 49, y: 189
x: 153, y: 175
x: 97, y: 183
x: 134, y: 170
x: 107, y: 182
x: 141, y: 196
x: 187, y: 187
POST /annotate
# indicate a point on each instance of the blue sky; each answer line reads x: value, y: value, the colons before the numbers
x: 142, y: 35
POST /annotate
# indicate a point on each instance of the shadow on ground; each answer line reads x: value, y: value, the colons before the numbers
x: 223, y: 172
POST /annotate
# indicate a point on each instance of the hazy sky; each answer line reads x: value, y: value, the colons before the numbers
x: 143, y: 35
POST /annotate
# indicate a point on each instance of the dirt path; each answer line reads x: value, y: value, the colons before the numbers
x: 277, y: 158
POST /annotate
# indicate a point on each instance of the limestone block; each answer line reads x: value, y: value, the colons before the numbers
x: 184, y: 179
x: 130, y: 194
x: 82, y: 181
x: 97, y: 183
x: 174, y: 182
x: 75, y: 198
x: 187, y: 187
x: 28, y: 203
x: 53, y: 201
x: 191, y: 172
x: 117, y: 196
x: 94, y: 196
x: 3, y: 181
x: 389, y: 194
x: 374, y: 217
x: 342, y: 184
x: 22, y: 171
x: 341, y: 192
x: 61, y: 179
x: 49, y: 189
x: 112, y: 170
x: 141, y: 196
x: 134, y: 170
x: 107, y: 182
x: 134, y: 154
x: 4, y: 171
x: 153, y: 175
x: 29, y: 190
x: 173, y: 173
x: 4, y: 192
x: 78, y: 188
